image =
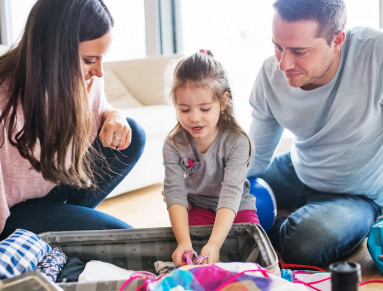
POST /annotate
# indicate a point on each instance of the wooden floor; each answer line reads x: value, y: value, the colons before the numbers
x: 145, y: 208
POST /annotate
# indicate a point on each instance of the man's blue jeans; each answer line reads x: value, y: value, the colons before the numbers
x: 70, y: 208
x: 323, y: 227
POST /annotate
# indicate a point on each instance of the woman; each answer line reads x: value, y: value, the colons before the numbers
x: 63, y: 148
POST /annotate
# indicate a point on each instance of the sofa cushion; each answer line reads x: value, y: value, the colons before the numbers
x: 156, y: 120
x: 146, y: 78
x: 3, y: 49
x: 117, y: 93
x: 125, y: 101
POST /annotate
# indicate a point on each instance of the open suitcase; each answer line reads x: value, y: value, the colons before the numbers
x: 138, y: 249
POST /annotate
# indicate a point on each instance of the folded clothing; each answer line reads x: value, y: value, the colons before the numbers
x: 52, y: 263
x: 21, y: 252
x: 163, y: 267
x: 102, y: 271
x: 72, y: 269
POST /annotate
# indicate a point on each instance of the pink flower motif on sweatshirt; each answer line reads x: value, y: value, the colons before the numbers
x: 190, y: 163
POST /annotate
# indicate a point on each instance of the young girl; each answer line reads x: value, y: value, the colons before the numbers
x: 205, y: 157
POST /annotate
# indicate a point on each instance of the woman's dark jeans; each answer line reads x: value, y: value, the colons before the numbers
x: 69, y: 208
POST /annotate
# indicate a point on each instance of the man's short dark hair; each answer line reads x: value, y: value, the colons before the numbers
x: 329, y: 14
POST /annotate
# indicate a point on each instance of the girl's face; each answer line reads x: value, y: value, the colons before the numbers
x: 198, y: 113
x: 91, y: 54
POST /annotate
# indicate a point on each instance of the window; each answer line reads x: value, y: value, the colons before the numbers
x: 363, y: 13
x: 129, y: 31
x: 129, y: 40
x: 13, y: 17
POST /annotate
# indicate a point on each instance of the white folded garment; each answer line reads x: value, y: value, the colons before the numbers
x: 102, y: 271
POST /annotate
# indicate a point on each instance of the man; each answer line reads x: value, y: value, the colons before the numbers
x: 326, y: 87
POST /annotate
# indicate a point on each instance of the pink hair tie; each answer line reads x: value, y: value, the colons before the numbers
x: 197, y: 260
x: 203, y: 51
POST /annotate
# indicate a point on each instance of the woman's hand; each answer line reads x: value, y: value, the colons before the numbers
x: 115, y: 130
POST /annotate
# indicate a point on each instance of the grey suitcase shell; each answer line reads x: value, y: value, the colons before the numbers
x: 138, y: 249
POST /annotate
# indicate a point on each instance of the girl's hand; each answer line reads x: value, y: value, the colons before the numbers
x: 222, y: 224
x: 212, y: 252
x: 178, y: 215
x: 179, y: 252
x: 115, y: 130
x: 163, y: 195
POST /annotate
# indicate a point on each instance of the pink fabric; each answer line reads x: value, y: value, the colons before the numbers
x: 18, y: 181
x: 200, y: 216
x: 247, y: 216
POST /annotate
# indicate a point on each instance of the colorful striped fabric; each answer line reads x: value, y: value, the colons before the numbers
x: 222, y: 276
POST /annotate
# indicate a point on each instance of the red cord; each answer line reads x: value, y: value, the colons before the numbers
x: 370, y: 281
x: 306, y: 284
x: 309, y: 284
x: 284, y: 266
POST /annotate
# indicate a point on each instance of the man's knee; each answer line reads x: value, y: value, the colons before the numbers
x: 308, y: 243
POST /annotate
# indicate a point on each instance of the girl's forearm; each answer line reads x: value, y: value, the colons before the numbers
x: 180, y: 224
x: 222, y: 225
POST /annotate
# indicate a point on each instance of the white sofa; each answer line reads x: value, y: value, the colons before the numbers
x: 138, y: 88
x: 3, y: 49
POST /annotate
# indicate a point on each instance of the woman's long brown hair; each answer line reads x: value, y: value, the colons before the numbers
x: 43, y: 75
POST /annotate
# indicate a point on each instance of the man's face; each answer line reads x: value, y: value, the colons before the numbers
x: 306, y: 60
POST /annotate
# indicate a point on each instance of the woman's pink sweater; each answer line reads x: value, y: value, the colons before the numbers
x: 18, y: 180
